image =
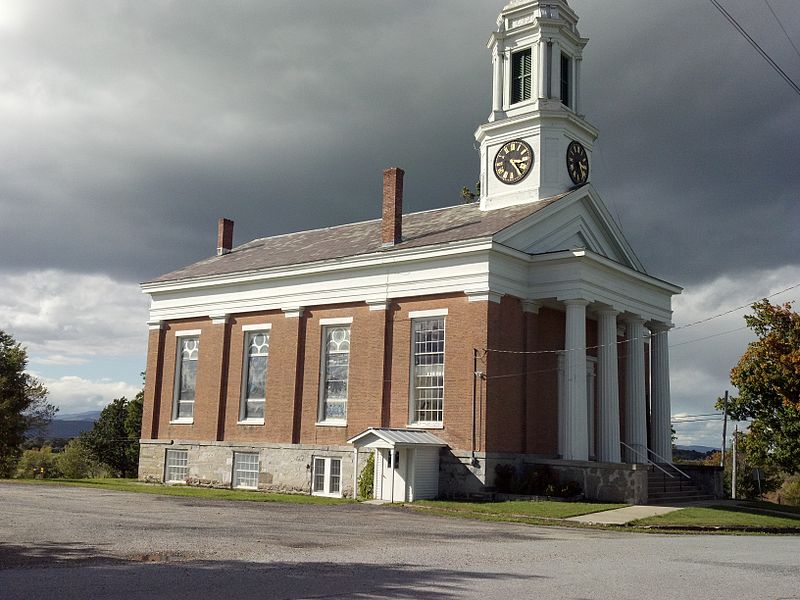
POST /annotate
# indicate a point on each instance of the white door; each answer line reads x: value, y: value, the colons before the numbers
x: 393, y: 479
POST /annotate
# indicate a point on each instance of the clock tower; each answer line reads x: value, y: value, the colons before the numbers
x: 536, y: 143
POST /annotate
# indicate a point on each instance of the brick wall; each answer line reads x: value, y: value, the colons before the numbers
x: 378, y: 385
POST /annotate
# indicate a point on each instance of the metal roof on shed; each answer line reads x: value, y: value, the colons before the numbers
x: 398, y: 437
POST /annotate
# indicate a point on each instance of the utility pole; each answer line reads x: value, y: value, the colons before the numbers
x: 733, y: 471
x: 724, y: 431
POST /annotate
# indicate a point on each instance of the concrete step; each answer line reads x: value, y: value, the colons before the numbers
x: 672, y: 501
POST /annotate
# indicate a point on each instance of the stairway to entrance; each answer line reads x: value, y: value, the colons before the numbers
x: 663, y: 489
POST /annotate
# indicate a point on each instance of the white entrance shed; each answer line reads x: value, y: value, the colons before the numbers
x: 406, y: 463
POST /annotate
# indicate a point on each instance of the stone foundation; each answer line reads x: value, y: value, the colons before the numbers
x: 282, y: 467
x: 461, y: 474
x: 287, y: 468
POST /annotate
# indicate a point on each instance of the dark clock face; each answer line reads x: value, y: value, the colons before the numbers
x: 577, y: 163
x: 513, y: 161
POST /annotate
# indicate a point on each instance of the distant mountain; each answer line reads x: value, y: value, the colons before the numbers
x: 701, y: 449
x: 67, y: 426
x: 66, y: 429
x: 89, y: 415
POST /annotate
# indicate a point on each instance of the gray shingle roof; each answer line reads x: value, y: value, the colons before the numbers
x: 427, y: 228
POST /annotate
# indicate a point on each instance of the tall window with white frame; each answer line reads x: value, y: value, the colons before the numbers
x: 427, y: 377
x: 566, y: 80
x: 521, y: 72
x: 254, y: 379
x: 327, y: 477
x: 186, y: 377
x: 335, y: 373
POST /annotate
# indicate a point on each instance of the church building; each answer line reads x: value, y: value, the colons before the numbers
x: 519, y: 329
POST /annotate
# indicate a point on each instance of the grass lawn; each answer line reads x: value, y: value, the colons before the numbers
x: 762, y: 505
x: 131, y: 485
x: 517, y: 508
x: 721, y: 516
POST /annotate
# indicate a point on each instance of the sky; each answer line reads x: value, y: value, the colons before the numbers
x: 129, y: 128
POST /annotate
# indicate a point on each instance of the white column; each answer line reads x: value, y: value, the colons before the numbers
x: 577, y: 86
x: 555, y: 71
x: 635, y: 393
x: 497, y: 89
x: 541, y: 70
x: 660, y: 409
x: 574, y: 444
x: 608, y: 448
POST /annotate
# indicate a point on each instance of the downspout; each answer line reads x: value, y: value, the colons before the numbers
x: 475, y: 376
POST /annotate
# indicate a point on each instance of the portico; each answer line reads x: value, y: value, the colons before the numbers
x: 626, y: 417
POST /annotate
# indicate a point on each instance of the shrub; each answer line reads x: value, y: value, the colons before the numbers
x: 38, y: 464
x: 789, y: 493
x: 533, y: 480
x: 504, y: 475
x: 76, y: 462
x: 366, y: 480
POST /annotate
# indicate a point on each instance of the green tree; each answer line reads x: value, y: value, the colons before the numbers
x: 23, y: 403
x: 768, y: 378
x: 114, y: 439
x: 76, y: 462
x: 39, y: 463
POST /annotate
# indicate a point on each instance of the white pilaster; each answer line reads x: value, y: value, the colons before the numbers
x: 555, y: 71
x: 573, y: 417
x: 497, y: 88
x: 608, y: 448
x: 660, y: 405
x: 541, y: 70
x: 635, y: 392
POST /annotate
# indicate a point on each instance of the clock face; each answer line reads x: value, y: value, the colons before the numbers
x: 577, y: 163
x: 513, y: 161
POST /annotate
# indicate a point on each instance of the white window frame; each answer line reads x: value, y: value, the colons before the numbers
x: 328, y: 489
x: 415, y: 317
x: 326, y: 324
x: 183, y: 456
x: 179, y: 335
x: 240, y: 473
x: 249, y: 331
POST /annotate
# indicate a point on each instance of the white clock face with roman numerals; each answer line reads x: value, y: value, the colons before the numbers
x: 513, y: 161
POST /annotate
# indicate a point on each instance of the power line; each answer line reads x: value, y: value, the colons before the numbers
x: 786, y: 33
x: 733, y: 310
x: 707, y: 337
x: 755, y: 45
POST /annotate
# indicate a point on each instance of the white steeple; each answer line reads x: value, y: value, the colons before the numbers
x: 536, y: 56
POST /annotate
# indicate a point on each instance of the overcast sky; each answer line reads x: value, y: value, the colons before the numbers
x: 128, y: 128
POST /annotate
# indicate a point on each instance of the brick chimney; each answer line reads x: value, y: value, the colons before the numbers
x: 392, y: 217
x: 224, y: 236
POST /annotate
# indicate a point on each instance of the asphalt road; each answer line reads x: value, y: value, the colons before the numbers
x: 73, y: 543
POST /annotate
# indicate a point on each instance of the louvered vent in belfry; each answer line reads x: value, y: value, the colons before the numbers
x: 521, y: 76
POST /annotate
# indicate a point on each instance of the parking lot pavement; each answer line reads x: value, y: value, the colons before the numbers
x: 66, y: 543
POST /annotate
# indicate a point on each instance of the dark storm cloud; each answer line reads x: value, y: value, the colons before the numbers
x: 130, y: 127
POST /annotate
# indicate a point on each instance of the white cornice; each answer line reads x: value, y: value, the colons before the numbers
x: 481, y: 269
x: 363, y: 261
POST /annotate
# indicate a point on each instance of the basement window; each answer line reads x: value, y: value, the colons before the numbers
x: 245, y: 470
x: 176, y: 468
x: 327, y: 477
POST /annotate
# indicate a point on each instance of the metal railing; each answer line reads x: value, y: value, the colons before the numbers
x: 660, y: 466
x: 664, y: 461
x: 646, y: 459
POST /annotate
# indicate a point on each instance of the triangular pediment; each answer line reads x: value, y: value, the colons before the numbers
x: 578, y: 220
